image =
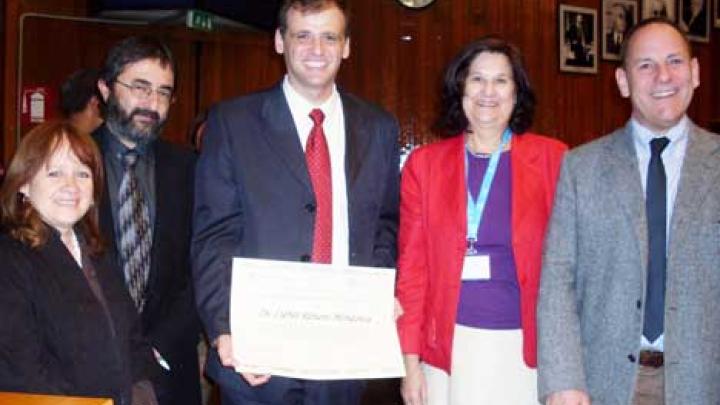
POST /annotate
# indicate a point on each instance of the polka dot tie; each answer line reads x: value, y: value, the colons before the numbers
x: 318, y: 163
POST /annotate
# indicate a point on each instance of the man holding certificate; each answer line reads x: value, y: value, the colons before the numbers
x: 300, y: 172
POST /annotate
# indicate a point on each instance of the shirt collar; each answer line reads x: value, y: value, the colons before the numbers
x: 643, y: 135
x: 299, y: 103
x: 118, y: 149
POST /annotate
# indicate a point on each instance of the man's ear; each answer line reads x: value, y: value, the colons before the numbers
x: 695, y: 71
x: 622, y: 82
x: 279, y: 44
x: 104, y: 89
x: 346, y: 48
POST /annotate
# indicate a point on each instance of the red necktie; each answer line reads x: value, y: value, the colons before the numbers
x: 318, y: 163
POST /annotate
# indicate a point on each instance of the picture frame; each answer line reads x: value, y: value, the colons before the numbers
x: 716, y: 11
x: 577, y: 33
x: 618, y: 17
x: 659, y: 8
x: 694, y: 18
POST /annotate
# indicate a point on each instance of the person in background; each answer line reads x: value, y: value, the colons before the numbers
x: 146, y: 209
x: 473, y: 213
x: 80, y: 100
x: 197, y: 131
x: 68, y: 325
x: 630, y: 287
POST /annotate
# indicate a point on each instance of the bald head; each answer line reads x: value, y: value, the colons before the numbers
x: 643, y: 25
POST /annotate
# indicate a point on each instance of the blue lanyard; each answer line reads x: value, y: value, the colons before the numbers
x: 476, y: 208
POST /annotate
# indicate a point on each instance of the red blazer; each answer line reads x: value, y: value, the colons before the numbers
x: 433, y: 229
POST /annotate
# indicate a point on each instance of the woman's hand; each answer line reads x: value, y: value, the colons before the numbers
x: 413, y: 388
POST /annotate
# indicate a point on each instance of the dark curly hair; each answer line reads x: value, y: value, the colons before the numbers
x: 452, y: 118
x: 134, y: 49
x: 77, y: 90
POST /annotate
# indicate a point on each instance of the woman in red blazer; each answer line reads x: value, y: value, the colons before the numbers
x: 474, y: 208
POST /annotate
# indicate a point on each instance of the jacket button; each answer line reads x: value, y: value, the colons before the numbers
x: 638, y: 304
x: 305, y: 258
x: 310, y: 207
x: 631, y: 358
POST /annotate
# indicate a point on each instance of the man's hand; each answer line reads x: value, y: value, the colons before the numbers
x: 568, y: 397
x: 255, y: 379
x: 223, y: 344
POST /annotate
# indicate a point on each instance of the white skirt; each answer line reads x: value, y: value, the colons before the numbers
x: 487, y: 368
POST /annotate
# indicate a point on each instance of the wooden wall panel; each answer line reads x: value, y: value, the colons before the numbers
x: 404, y: 75
x: 397, y: 59
x: 233, y: 65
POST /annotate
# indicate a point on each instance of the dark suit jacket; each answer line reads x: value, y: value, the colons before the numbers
x: 54, y: 335
x: 169, y: 319
x: 253, y: 196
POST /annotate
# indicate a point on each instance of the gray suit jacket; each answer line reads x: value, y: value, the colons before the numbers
x: 590, y: 306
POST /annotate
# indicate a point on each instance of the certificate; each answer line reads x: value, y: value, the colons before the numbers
x: 313, y: 321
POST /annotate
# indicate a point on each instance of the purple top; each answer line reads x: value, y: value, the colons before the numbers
x: 494, y: 303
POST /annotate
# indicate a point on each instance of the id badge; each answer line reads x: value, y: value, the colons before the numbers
x: 476, y: 268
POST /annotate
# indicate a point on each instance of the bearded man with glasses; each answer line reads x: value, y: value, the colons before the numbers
x: 146, y: 209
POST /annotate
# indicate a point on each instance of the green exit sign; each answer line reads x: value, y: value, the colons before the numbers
x: 199, y: 20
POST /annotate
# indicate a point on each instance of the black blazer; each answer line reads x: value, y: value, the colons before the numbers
x: 169, y: 318
x: 253, y: 196
x: 54, y: 335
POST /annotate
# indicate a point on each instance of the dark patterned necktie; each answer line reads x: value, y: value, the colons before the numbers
x: 135, y: 232
x: 656, y: 211
x: 318, y: 163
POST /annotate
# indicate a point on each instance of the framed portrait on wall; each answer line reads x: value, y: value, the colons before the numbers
x: 659, y: 8
x: 578, y: 48
x: 694, y: 19
x: 618, y: 17
x: 717, y: 13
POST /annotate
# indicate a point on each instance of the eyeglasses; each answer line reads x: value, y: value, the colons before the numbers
x: 143, y: 91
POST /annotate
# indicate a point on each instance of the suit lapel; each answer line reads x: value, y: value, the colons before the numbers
x: 527, y: 191
x: 164, y: 194
x: 107, y: 225
x: 700, y: 169
x: 70, y: 276
x: 446, y: 174
x: 624, y: 177
x: 282, y: 135
x: 357, y: 141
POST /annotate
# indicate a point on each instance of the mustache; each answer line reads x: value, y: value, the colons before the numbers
x: 145, y: 113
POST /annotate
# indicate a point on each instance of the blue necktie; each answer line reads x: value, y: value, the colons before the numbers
x: 656, y: 211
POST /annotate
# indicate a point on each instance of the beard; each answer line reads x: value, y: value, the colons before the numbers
x: 122, y: 124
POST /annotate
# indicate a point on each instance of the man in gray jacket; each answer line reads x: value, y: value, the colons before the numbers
x: 630, y: 286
